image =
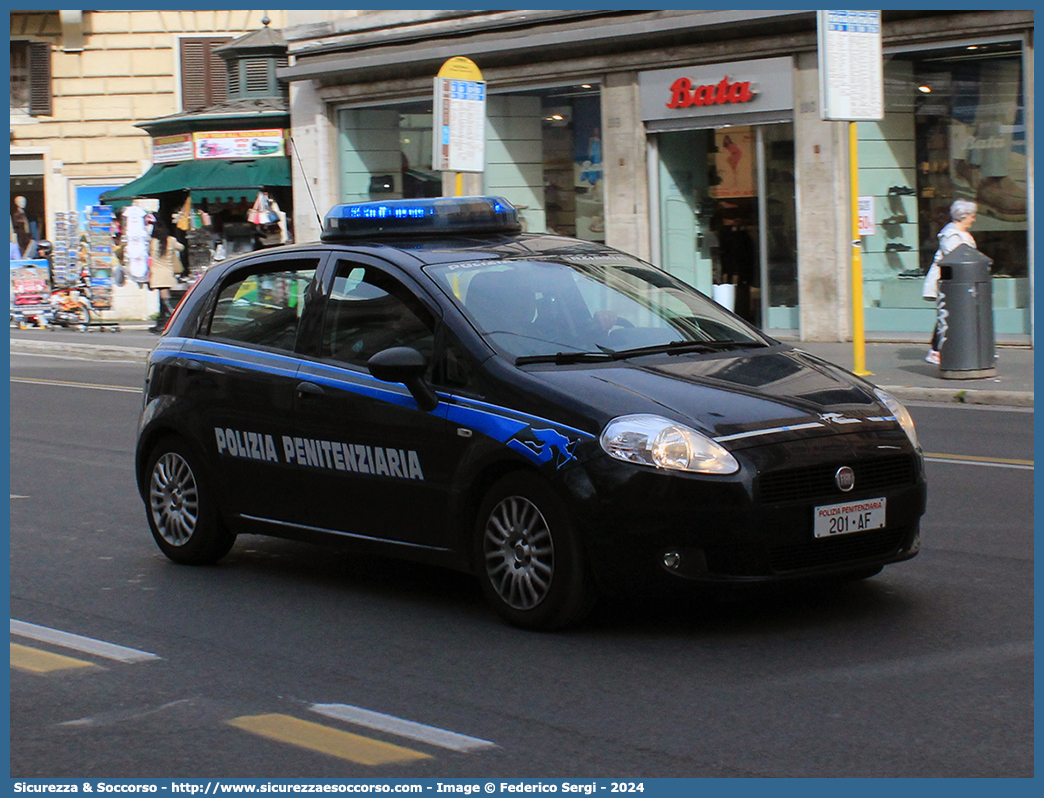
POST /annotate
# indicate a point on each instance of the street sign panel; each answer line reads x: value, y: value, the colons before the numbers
x: 459, y: 140
x: 851, y: 66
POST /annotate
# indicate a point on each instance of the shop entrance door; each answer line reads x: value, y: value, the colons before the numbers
x: 727, y: 218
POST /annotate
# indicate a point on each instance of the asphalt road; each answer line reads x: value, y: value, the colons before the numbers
x: 924, y: 671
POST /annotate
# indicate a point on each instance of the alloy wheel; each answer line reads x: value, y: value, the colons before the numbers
x: 519, y: 553
x: 174, y: 499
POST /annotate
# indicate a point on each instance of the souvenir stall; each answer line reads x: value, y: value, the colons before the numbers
x: 220, y: 175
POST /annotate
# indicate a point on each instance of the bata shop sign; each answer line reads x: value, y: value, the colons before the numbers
x: 684, y: 94
x: 715, y: 90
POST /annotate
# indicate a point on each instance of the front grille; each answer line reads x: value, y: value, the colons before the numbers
x: 817, y: 482
x: 818, y: 553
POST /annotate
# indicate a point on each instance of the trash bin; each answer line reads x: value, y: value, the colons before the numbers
x: 966, y: 346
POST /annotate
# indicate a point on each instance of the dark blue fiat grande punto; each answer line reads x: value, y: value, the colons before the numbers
x: 555, y: 416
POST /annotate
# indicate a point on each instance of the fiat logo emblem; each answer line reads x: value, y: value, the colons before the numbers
x: 844, y: 479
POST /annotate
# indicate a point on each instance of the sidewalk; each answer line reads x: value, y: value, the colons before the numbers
x: 897, y: 367
x: 900, y: 368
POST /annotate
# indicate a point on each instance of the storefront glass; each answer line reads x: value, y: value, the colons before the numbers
x: 718, y: 190
x: 954, y: 128
x: 543, y: 154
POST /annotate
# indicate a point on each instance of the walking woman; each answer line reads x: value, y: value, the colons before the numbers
x: 165, y: 265
x: 962, y: 214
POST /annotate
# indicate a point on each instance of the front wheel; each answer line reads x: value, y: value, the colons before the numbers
x: 529, y: 558
x: 82, y: 315
x: 181, y: 510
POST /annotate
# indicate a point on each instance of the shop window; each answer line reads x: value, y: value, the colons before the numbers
x: 31, y: 78
x: 954, y: 128
x: 204, y: 76
x: 551, y: 139
x: 386, y: 153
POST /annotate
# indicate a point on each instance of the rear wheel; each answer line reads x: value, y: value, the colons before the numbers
x: 182, y: 513
x: 530, y: 561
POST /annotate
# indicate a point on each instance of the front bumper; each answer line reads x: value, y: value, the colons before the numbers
x: 641, y: 524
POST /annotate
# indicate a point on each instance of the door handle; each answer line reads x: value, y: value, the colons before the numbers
x: 304, y: 388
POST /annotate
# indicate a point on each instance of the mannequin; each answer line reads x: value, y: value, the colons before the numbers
x: 20, y: 223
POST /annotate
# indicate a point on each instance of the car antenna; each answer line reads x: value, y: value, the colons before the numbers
x: 307, y: 186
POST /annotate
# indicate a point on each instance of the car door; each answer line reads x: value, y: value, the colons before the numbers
x: 379, y: 466
x: 240, y: 377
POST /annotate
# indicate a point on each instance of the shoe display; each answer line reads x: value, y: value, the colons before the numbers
x: 1002, y: 198
x: 932, y: 356
x: 899, y: 218
x: 900, y: 191
x: 893, y: 247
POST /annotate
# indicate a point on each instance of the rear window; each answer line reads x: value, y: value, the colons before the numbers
x: 265, y: 307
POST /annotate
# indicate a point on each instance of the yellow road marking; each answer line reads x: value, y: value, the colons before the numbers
x: 316, y: 737
x: 37, y: 661
x: 976, y: 459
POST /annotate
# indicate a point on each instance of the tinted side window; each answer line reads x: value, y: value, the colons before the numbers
x: 370, y: 311
x: 264, y: 307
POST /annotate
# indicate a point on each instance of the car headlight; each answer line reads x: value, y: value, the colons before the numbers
x: 901, y: 414
x: 662, y: 443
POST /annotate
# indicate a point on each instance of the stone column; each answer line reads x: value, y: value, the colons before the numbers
x: 823, y: 212
x: 313, y: 159
x: 624, y: 166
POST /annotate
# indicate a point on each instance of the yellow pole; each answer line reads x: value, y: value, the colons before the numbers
x: 460, y: 184
x: 858, y: 342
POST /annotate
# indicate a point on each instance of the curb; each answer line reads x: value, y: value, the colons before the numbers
x: 907, y: 393
x: 92, y: 351
x: 964, y: 396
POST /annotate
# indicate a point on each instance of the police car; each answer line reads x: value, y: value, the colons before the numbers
x: 555, y: 416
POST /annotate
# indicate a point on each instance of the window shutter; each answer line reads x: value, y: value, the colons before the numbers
x: 204, y: 81
x: 40, y: 79
x: 256, y: 76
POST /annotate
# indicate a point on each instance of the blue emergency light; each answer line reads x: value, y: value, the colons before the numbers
x: 437, y: 216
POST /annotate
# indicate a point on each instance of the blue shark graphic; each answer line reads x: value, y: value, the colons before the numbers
x: 544, y: 445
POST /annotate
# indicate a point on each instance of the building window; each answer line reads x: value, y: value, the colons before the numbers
x: 31, y: 78
x: 204, y: 77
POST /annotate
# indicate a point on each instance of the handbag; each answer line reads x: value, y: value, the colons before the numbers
x: 261, y: 211
x: 930, y: 288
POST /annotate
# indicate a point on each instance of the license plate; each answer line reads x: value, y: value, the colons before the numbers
x: 840, y: 519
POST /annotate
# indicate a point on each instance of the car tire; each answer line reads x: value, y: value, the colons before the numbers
x: 181, y: 507
x: 528, y: 557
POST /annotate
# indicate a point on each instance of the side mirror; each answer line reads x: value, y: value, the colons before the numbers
x: 405, y: 365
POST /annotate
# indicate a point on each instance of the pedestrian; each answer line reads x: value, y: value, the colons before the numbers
x: 163, y: 270
x: 962, y: 215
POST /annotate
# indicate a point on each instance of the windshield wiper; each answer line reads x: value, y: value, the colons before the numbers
x: 564, y: 358
x: 681, y: 347
x: 672, y: 348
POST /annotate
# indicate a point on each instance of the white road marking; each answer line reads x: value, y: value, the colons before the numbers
x: 64, y: 384
x: 402, y: 728
x: 77, y: 642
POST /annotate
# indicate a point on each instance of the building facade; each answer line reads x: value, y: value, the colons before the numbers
x: 82, y: 83
x: 694, y: 139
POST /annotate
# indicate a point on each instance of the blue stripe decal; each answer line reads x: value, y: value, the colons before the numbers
x: 538, y: 439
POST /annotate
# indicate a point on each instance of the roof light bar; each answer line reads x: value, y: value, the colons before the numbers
x: 442, y: 216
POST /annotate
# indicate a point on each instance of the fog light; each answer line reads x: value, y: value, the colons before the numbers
x: 916, y: 545
x: 672, y: 560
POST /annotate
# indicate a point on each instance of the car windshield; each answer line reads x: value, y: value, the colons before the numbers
x: 579, y: 307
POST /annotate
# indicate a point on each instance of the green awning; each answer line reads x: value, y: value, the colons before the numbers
x: 207, y: 179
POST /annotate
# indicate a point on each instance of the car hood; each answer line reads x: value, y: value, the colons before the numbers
x: 743, y: 399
